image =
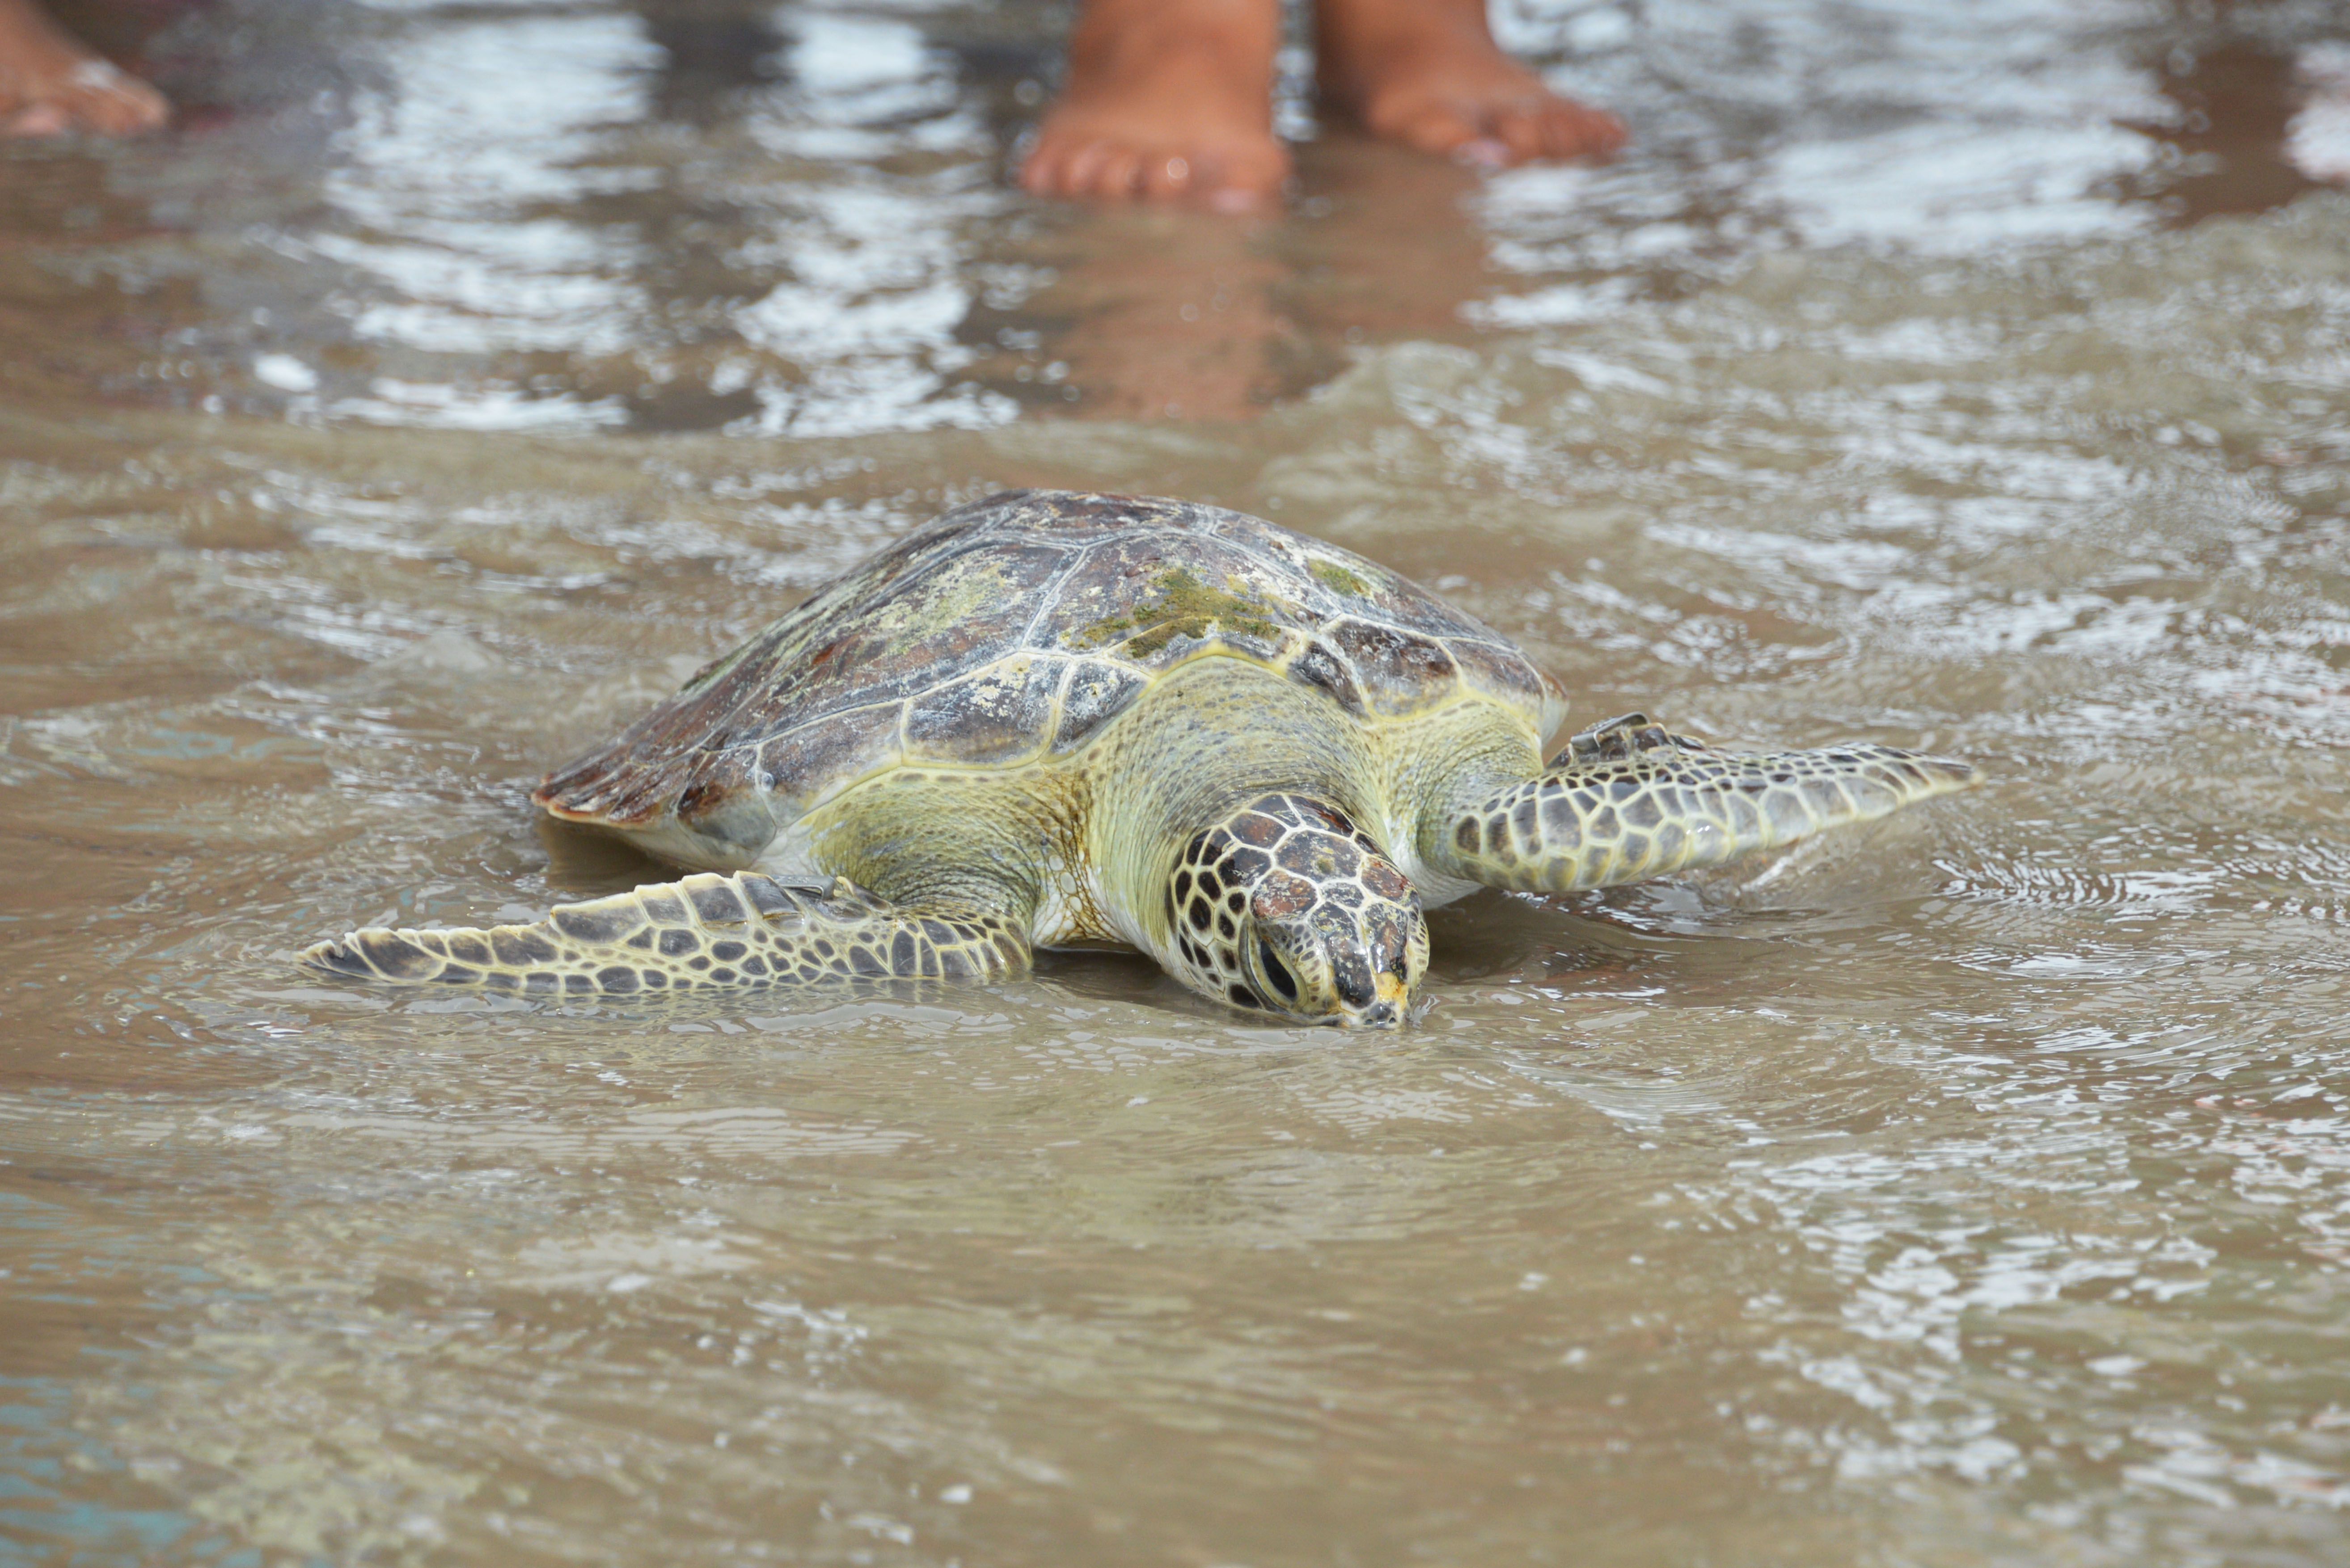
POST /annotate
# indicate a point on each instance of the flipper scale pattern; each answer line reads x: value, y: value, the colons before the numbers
x: 1627, y: 800
x: 706, y: 931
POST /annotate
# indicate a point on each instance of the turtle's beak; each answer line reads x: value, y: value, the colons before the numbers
x: 1387, y: 1009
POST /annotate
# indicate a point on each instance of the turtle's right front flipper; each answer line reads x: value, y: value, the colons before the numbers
x: 707, y: 931
x: 1626, y: 800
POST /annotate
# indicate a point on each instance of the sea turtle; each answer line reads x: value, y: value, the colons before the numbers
x: 1053, y: 719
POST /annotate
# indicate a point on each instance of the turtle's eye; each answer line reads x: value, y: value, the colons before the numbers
x: 1275, y: 970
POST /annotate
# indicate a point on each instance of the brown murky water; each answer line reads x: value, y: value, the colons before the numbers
x: 1970, y: 1189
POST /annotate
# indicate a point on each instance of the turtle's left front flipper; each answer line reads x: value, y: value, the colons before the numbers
x: 1626, y: 800
x: 707, y: 931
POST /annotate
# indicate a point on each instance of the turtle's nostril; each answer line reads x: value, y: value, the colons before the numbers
x: 1383, y: 1016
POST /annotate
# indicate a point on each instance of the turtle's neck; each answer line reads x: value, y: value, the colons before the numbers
x: 1204, y: 741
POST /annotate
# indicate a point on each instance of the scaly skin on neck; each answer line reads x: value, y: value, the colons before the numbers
x: 1218, y: 733
x: 1240, y: 836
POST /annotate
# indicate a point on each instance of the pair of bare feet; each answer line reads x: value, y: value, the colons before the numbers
x: 1166, y: 98
x: 1171, y: 100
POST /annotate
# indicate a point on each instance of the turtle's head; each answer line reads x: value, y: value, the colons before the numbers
x: 1285, y: 906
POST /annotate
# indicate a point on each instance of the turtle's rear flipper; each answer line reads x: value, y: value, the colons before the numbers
x: 1626, y: 800
x: 707, y: 930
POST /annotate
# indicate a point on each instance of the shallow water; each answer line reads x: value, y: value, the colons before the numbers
x: 1971, y: 1188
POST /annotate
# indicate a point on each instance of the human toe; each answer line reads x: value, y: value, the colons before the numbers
x: 1521, y: 128
x: 1076, y: 170
x: 38, y: 120
x: 1166, y: 177
x: 124, y: 106
x: 1431, y: 127
x: 1554, y: 128
x: 1578, y: 130
x: 1079, y: 169
x: 1118, y: 173
x: 1045, y: 172
x: 1242, y: 179
x: 89, y: 96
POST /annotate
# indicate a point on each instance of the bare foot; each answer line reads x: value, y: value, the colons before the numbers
x: 1166, y: 100
x: 50, y: 84
x: 1427, y: 73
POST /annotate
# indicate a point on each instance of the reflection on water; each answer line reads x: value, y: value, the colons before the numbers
x: 1972, y: 1188
x: 793, y: 221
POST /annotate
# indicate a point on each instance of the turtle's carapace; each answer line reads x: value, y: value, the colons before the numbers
x: 1062, y: 718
